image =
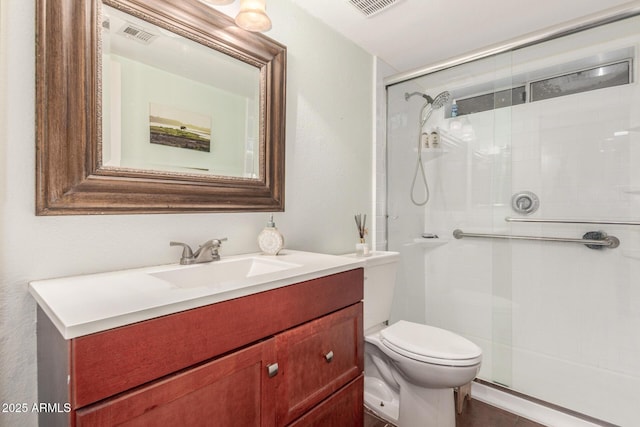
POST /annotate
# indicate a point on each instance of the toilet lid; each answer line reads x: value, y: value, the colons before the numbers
x: 430, y: 344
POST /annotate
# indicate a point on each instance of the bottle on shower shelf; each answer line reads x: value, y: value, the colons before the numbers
x: 434, y: 139
x: 424, y: 137
x: 454, y: 109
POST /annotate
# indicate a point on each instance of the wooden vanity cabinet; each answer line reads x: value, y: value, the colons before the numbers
x: 289, y: 356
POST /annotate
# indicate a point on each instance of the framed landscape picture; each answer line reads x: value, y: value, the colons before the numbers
x: 178, y: 128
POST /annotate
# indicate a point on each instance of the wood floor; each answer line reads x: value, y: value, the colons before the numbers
x: 475, y: 414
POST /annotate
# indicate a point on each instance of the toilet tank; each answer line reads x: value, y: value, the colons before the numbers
x: 379, y: 283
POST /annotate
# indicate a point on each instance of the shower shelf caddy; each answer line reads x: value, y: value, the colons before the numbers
x: 432, y: 153
x: 428, y: 244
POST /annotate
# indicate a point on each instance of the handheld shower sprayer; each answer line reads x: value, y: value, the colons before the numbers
x: 435, y: 103
x: 440, y: 100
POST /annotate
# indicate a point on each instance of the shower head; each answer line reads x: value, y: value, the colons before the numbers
x: 436, y: 102
x: 439, y: 100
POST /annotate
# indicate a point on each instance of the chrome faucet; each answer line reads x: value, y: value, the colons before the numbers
x: 207, y: 252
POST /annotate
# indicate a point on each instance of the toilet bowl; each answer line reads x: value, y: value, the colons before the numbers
x: 411, y: 369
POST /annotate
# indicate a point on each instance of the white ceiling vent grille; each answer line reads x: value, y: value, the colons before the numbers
x: 136, y: 33
x: 372, y: 7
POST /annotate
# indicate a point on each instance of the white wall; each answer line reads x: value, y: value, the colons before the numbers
x: 328, y: 174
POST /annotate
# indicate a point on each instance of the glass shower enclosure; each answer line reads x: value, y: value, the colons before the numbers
x: 540, y: 142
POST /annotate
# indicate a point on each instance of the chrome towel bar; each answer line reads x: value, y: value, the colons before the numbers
x: 606, y: 242
x: 572, y: 221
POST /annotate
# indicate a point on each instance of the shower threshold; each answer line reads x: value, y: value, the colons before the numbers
x: 531, y: 408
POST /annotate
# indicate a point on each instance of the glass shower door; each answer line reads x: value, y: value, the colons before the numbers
x: 561, y: 119
x: 465, y: 286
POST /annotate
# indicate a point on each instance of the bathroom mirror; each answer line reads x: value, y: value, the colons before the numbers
x: 156, y: 106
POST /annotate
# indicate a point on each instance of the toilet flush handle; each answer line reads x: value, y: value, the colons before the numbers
x: 328, y: 357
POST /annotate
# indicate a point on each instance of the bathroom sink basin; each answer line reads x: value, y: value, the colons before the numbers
x: 225, y: 272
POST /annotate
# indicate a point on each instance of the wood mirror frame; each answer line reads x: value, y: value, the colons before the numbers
x: 69, y: 177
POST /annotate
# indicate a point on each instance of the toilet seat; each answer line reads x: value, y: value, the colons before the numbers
x: 430, y: 344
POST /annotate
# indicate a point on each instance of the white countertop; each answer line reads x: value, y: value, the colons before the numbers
x: 83, y: 305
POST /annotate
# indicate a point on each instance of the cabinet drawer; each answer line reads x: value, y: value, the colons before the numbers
x: 317, y: 359
x: 343, y: 409
x: 232, y: 391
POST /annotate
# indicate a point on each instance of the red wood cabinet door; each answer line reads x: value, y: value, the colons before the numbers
x: 234, y: 390
x: 343, y: 409
x: 316, y: 359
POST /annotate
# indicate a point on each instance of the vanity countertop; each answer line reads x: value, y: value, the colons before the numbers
x: 81, y: 305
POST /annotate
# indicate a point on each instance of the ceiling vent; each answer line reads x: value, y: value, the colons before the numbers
x: 137, y: 33
x: 372, y: 7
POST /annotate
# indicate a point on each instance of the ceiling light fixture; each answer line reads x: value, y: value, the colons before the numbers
x: 253, y: 16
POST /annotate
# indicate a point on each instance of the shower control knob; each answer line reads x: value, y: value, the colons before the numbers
x: 525, y: 202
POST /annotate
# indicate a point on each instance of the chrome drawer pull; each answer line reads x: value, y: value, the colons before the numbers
x: 272, y: 370
x: 329, y: 357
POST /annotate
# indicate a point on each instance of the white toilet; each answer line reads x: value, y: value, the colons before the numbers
x: 410, y: 368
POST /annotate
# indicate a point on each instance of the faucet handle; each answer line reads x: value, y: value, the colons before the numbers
x: 213, y: 243
x: 218, y: 242
x: 187, y: 253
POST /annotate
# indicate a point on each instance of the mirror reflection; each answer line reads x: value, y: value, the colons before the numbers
x: 173, y: 105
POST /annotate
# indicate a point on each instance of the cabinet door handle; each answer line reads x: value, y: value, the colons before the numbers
x: 329, y: 357
x: 272, y: 370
